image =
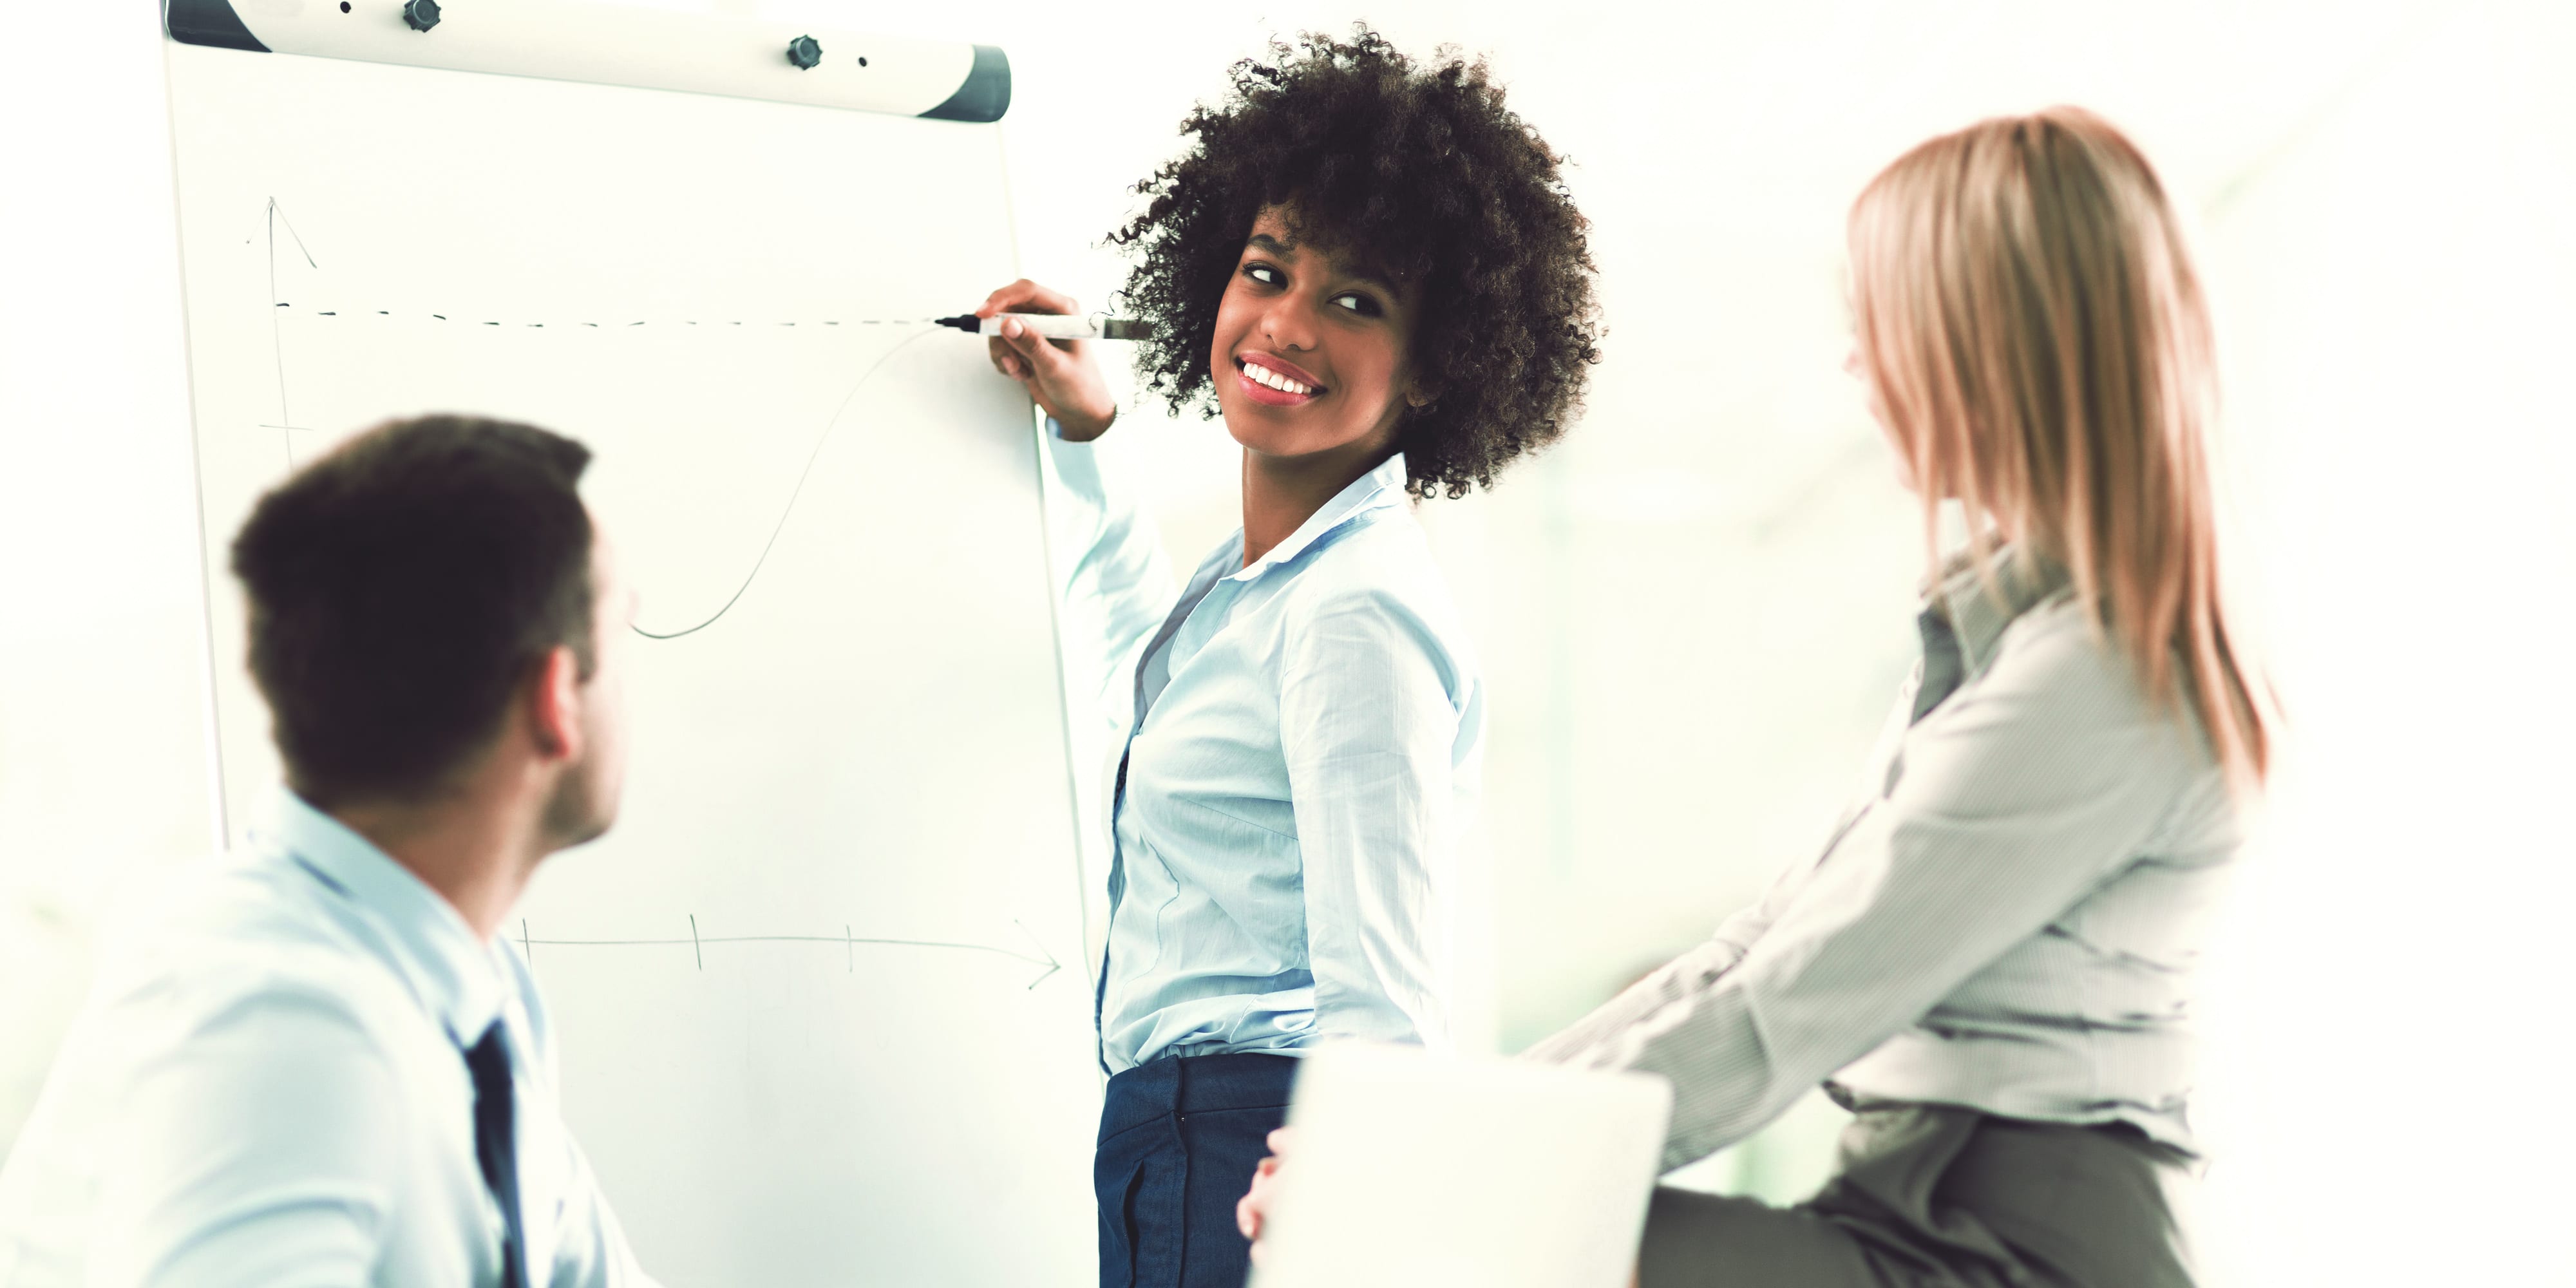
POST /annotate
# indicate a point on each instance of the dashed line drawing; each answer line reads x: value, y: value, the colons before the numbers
x: 290, y: 306
x: 285, y: 422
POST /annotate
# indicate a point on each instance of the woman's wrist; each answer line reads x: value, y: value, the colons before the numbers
x: 1081, y: 427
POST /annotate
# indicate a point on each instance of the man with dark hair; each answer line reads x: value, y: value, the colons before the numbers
x: 319, y: 1065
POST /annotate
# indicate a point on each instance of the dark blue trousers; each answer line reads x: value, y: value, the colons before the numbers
x: 1179, y: 1140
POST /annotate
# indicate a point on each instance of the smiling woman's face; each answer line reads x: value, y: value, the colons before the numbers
x: 1310, y: 349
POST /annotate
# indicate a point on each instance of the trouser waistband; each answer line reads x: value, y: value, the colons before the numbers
x: 1196, y: 1084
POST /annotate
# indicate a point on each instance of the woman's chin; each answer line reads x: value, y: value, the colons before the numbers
x: 1269, y: 440
x: 1264, y: 430
x: 1252, y: 426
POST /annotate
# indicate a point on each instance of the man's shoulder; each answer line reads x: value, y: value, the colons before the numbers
x: 239, y: 940
x: 238, y: 1058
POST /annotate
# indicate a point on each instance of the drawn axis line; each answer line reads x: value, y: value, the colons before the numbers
x: 849, y: 941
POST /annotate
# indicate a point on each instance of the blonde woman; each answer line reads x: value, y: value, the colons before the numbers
x: 1992, y: 961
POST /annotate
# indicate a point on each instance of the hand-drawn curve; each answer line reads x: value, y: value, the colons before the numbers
x: 799, y: 490
x: 287, y: 425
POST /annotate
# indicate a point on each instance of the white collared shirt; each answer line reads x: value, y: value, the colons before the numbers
x: 268, y: 1087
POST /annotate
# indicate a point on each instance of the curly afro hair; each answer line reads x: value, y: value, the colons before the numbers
x: 1425, y: 175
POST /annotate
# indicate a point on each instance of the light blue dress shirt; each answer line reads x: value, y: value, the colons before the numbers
x: 268, y: 1088
x: 1303, y: 740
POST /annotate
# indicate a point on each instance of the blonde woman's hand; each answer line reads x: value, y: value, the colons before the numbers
x: 1059, y: 374
x: 1253, y: 1208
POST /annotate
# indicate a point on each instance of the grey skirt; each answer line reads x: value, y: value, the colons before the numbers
x: 1939, y: 1196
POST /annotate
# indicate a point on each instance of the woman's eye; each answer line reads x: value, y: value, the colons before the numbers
x: 1262, y: 273
x: 1364, y: 305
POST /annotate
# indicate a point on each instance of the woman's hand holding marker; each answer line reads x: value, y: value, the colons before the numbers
x: 1059, y: 374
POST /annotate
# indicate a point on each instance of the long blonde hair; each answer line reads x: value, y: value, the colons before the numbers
x: 2029, y: 319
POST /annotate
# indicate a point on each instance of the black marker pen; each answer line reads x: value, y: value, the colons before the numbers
x: 1055, y: 326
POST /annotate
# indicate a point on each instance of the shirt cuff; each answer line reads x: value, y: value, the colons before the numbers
x: 1055, y: 429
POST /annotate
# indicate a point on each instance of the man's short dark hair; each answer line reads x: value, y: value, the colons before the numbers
x: 402, y: 587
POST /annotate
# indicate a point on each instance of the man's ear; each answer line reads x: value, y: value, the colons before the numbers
x: 554, y: 705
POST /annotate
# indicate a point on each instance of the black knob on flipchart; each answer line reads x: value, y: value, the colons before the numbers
x: 805, y: 51
x: 420, y: 15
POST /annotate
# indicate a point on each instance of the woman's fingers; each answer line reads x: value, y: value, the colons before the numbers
x: 1025, y: 296
x: 1000, y: 301
x: 1249, y: 1209
x: 1023, y: 355
x: 1040, y: 356
x: 1058, y: 374
x: 1254, y: 1206
x: 1016, y: 353
x: 1255, y: 1203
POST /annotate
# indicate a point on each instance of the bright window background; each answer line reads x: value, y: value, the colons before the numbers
x: 1693, y: 612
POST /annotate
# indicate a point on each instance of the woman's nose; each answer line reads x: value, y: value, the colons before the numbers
x: 1289, y: 324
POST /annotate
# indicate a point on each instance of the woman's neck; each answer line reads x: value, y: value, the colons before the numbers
x: 1281, y: 492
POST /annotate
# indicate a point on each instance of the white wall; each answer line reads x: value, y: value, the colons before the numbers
x: 2396, y: 280
x: 103, y: 737
x: 1693, y: 610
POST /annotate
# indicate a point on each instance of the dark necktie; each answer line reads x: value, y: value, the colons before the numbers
x: 496, y: 1146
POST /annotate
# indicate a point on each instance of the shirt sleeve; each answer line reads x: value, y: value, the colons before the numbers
x: 261, y: 1150
x: 2019, y: 796
x: 1373, y: 710
x: 1113, y: 582
x: 1736, y: 935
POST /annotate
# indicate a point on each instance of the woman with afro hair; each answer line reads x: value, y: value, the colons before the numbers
x: 1370, y: 269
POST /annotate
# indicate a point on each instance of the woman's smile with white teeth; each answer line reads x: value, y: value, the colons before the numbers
x: 1273, y: 379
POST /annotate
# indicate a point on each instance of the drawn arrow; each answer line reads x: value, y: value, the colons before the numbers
x: 1052, y: 965
x: 697, y: 943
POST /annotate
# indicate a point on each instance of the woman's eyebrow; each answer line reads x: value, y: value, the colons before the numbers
x: 1264, y: 241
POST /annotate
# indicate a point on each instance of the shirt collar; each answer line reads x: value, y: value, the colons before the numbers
x: 1974, y: 613
x: 454, y: 973
x: 1379, y: 489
